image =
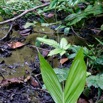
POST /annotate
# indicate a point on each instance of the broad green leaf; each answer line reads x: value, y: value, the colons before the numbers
x: 101, y: 27
x: 88, y: 74
x: 50, y: 42
x: 71, y: 56
x: 67, y: 47
x: 74, y: 84
x: 99, y: 60
x: 51, y: 81
x: 76, y: 79
x: 98, y: 9
x: 76, y: 17
x: 70, y: 17
x: 63, y: 52
x: 66, y: 31
x: 63, y: 43
x: 96, y: 81
x: 55, y: 51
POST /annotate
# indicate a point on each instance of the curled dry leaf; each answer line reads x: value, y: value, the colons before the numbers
x: 15, y: 45
x: 63, y: 60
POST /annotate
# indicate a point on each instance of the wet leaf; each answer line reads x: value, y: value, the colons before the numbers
x: 15, y: 45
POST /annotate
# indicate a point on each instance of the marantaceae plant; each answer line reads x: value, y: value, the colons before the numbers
x: 59, y: 48
x: 74, y: 84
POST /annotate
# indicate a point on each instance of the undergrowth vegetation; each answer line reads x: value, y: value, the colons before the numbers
x: 78, y: 18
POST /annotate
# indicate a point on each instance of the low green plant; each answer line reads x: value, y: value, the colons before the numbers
x: 95, y: 80
x: 13, y: 7
x: 75, y: 82
x: 60, y: 48
x: 63, y: 47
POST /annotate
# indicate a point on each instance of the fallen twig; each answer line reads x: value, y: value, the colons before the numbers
x: 23, y: 13
x: 8, y: 33
x: 76, y: 33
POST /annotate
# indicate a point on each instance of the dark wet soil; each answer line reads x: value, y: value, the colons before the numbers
x: 20, y: 79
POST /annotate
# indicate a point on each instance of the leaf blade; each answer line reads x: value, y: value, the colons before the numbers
x: 50, y: 42
x: 51, y: 81
x: 76, y: 79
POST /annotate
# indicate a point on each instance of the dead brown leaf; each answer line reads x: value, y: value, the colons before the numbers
x: 63, y: 60
x: 15, y: 45
x: 7, y: 82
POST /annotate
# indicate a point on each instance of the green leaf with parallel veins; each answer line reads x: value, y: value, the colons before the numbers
x: 51, y: 80
x: 76, y: 79
x: 74, y: 84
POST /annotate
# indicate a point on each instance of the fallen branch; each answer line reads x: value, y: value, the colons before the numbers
x: 23, y: 13
x: 8, y: 33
